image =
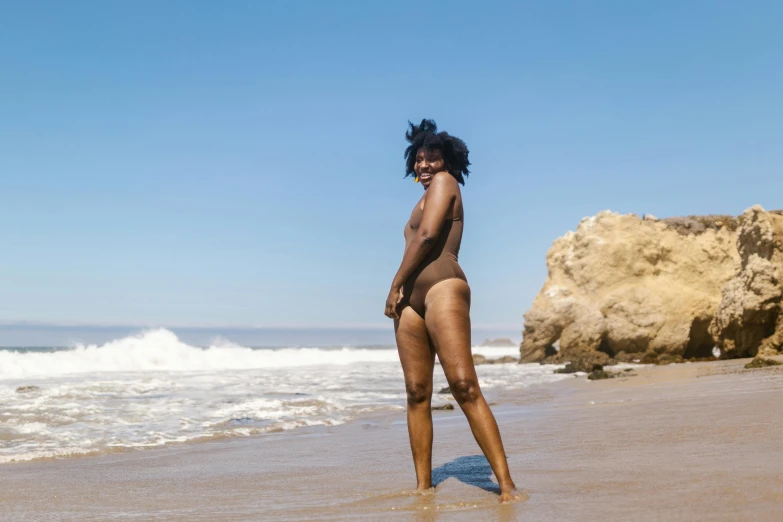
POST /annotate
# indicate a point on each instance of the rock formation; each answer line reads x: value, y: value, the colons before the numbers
x: 500, y: 342
x: 626, y: 288
x: 748, y: 321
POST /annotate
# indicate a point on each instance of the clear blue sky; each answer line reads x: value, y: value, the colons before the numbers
x: 240, y: 163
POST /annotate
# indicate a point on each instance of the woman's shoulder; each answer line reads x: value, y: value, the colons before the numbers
x: 445, y: 183
x: 448, y: 187
x: 445, y: 178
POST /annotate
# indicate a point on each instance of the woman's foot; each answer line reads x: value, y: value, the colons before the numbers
x: 425, y: 490
x: 512, y: 495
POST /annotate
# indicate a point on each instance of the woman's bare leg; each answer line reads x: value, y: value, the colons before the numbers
x: 418, y: 359
x: 448, y: 325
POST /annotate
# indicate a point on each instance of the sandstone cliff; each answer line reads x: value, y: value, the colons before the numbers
x: 628, y: 288
x: 748, y: 320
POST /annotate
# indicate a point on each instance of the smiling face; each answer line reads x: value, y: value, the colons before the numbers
x: 428, y: 163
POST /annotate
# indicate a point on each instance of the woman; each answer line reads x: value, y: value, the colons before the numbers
x: 429, y: 301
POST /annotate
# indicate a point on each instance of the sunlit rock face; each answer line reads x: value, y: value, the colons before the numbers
x: 628, y: 288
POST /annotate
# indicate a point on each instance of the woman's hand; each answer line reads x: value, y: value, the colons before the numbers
x: 395, y: 296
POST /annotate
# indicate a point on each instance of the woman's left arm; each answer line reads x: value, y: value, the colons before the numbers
x: 439, y: 198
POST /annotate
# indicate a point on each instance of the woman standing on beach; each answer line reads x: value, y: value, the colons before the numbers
x: 429, y: 301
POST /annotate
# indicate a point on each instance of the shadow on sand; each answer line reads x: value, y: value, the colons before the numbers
x: 473, y: 470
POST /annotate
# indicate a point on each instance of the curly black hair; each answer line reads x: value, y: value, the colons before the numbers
x: 454, y: 150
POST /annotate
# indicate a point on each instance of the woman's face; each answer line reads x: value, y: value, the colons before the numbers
x: 428, y: 163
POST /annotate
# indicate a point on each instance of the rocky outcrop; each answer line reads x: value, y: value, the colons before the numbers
x: 500, y: 342
x: 480, y: 359
x: 623, y: 287
x: 748, y: 320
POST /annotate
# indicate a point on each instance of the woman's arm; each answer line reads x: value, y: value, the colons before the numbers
x: 439, y: 199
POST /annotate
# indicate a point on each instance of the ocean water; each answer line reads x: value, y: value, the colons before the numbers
x: 153, y: 389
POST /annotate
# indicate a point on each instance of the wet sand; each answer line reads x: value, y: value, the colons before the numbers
x: 684, y: 442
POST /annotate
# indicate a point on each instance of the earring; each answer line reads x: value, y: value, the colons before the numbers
x: 416, y: 179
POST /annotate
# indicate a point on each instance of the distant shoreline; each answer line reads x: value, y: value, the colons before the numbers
x: 43, y: 335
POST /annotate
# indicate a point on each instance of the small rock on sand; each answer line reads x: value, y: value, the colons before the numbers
x: 758, y: 362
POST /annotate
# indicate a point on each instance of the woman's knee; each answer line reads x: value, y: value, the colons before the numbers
x: 465, y: 390
x: 418, y: 393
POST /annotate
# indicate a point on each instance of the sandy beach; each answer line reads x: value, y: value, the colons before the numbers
x: 697, y: 441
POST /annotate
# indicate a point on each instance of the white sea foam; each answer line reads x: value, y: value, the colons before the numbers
x: 161, y: 350
x: 152, y: 389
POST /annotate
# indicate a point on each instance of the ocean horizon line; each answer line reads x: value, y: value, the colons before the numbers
x: 48, y: 334
x: 23, y: 323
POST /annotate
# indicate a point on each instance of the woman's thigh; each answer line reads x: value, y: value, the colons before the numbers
x: 416, y: 353
x: 448, y: 325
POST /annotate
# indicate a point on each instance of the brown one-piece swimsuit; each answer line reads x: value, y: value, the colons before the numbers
x: 440, y: 264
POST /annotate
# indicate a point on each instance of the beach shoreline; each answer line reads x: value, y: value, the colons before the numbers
x: 695, y: 441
